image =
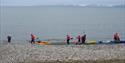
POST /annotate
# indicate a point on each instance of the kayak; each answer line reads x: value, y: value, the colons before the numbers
x: 77, y: 43
x: 42, y: 43
x: 104, y: 42
x: 91, y: 42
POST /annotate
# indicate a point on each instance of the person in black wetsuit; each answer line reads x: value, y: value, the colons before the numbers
x: 83, y: 39
x: 9, y: 39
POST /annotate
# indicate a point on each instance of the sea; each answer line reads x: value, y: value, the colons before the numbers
x: 55, y: 22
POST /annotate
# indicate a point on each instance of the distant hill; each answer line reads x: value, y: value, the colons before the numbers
x: 91, y: 6
x: 114, y: 6
x: 119, y: 6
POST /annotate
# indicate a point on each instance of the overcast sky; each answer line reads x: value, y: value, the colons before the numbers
x: 60, y: 2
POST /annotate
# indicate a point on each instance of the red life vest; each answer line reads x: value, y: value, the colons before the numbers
x: 68, y: 37
x: 116, y: 36
x: 33, y: 36
x: 78, y: 37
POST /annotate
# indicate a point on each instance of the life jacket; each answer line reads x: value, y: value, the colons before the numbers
x: 78, y: 37
x: 83, y: 37
x: 68, y: 37
x: 33, y: 36
x: 116, y: 36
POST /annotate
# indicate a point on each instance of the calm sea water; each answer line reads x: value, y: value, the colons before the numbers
x: 57, y: 22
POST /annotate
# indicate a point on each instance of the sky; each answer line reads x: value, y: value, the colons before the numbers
x: 60, y: 2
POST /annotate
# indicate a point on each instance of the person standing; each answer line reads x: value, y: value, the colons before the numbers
x: 68, y: 38
x: 9, y: 39
x: 116, y: 37
x: 83, y: 38
x: 33, y: 38
x: 79, y: 37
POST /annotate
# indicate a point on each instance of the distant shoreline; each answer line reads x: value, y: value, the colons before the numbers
x: 87, y: 6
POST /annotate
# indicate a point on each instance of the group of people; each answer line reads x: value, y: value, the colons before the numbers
x: 81, y: 39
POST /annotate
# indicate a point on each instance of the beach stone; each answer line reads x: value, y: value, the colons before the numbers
x: 13, y: 53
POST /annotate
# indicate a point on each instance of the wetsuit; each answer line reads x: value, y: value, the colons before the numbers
x: 83, y: 39
x: 9, y: 39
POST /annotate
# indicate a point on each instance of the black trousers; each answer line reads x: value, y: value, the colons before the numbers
x: 9, y: 40
x: 68, y: 41
x: 83, y: 41
x: 32, y: 40
x: 78, y: 40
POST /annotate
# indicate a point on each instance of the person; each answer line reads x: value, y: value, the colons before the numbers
x: 83, y: 38
x: 68, y: 39
x: 9, y: 39
x: 33, y: 38
x: 116, y: 37
x: 78, y: 37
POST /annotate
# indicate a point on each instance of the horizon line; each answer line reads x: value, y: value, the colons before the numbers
x: 70, y: 5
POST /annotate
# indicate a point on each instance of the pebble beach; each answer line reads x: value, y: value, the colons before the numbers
x: 33, y: 53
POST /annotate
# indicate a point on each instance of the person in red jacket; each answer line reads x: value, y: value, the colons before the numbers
x: 79, y: 37
x: 68, y: 39
x: 116, y: 37
x: 33, y: 37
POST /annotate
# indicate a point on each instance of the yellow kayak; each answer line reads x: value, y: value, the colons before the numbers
x: 91, y: 42
x: 42, y: 43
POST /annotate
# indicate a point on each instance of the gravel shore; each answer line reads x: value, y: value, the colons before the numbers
x: 28, y: 53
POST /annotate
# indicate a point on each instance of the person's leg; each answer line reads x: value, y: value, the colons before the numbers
x: 67, y: 41
x: 31, y: 41
x: 78, y: 40
x: 9, y: 40
x: 82, y: 42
